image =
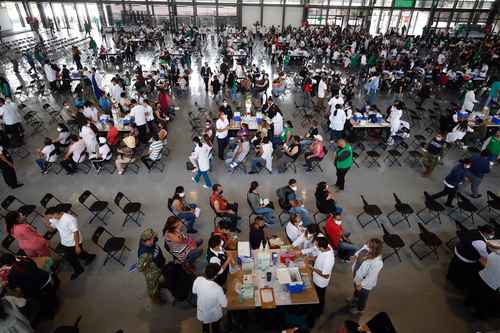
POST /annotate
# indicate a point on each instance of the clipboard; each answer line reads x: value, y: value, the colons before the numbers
x: 265, y: 293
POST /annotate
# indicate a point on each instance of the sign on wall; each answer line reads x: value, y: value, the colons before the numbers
x: 404, y: 3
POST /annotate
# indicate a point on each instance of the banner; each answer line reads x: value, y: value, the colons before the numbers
x: 404, y: 3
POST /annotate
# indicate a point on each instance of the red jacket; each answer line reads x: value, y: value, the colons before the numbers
x: 334, y: 232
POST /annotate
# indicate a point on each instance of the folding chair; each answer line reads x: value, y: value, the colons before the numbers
x: 394, y: 241
x: 355, y: 156
x: 325, y: 217
x: 217, y: 215
x: 240, y: 166
x: 492, y: 204
x: 317, y: 163
x: 252, y: 211
x: 415, y: 156
x: 418, y: 140
x: 464, y: 205
x: 393, y: 155
x: 461, y: 230
x: 372, y: 157
x: 112, y: 246
x: 83, y: 163
x: 373, y: 211
x: 22, y: 208
x: 429, y: 239
x: 433, y: 207
x: 157, y: 164
x: 132, y: 210
x: 63, y: 206
x: 284, y: 209
x: 7, y: 243
x: 404, y: 209
x: 170, y: 201
x: 95, y: 208
x: 69, y: 329
x: 134, y: 167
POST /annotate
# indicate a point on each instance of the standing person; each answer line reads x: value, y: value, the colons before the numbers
x: 217, y: 255
x: 71, y: 240
x: 151, y: 262
x: 366, y: 273
x: 28, y: 239
x: 322, y: 88
x: 50, y: 75
x: 321, y: 273
x: 222, y: 134
x: 201, y: 155
x: 10, y: 116
x: 138, y: 112
x: 454, y: 179
x: 210, y: 300
x: 206, y: 73
x: 480, y: 166
x: 433, y: 153
x: 492, y: 145
x: 343, y: 162
x: 337, y: 118
x: 8, y: 171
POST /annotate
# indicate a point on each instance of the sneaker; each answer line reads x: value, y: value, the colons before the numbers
x: 120, y: 172
x: 89, y: 260
x: 205, y: 186
x: 194, y: 180
x: 75, y: 275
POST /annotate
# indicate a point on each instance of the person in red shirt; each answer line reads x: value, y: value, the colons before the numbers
x: 113, y: 134
x: 223, y: 208
x: 339, y: 240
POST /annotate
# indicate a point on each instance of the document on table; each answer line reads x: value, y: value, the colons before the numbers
x: 283, y: 275
x: 244, y: 249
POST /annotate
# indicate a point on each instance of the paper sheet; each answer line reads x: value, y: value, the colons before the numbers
x: 244, y: 249
x: 283, y: 275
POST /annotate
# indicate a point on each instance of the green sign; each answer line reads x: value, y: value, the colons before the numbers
x: 404, y: 3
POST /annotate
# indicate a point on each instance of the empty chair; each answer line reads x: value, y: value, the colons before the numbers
x: 465, y: 207
x: 404, y: 210
x: 99, y: 209
x: 112, y: 246
x: 393, y: 155
x: 23, y: 208
x: 132, y: 210
x: 433, y: 207
x: 373, y: 211
x: 492, y: 204
x: 355, y: 157
x: 461, y: 230
x: 372, y: 157
x: 429, y: 239
x: 414, y: 156
x: 63, y: 206
x: 393, y: 241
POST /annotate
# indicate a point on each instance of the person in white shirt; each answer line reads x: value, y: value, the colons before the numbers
x: 116, y: 90
x: 305, y: 243
x: 210, y: 300
x: 322, y: 88
x: 201, y: 157
x: 89, y: 137
x: 366, y: 270
x: 73, y: 155
x: 51, y: 75
x: 46, y: 155
x: 11, y: 118
x: 337, y: 118
x: 90, y: 112
x: 150, y: 117
x: 139, y: 113
x: 469, y: 101
x: 222, y: 134
x: 277, y: 121
x: 321, y: 273
x: 294, y: 228
x: 102, y: 154
x: 394, y: 118
x: 71, y: 240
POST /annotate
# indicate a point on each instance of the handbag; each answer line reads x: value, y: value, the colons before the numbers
x: 189, y: 166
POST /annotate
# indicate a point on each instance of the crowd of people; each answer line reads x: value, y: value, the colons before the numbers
x: 333, y: 66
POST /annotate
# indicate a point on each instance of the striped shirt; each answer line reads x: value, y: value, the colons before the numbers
x: 155, y: 149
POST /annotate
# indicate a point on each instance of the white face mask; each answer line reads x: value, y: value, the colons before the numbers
x: 59, y: 129
x: 338, y: 222
x: 294, y: 188
x: 182, y: 194
x: 225, y: 104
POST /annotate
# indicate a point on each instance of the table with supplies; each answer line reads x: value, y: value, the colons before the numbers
x: 268, y: 278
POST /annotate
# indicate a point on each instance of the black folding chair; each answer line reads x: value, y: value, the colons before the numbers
x: 170, y: 201
x: 7, y: 245
x: 316, y: 163
x: 393, y: 241
x: 284, y: 209
x: 325, y: 217
x: 216, y: 216
x: 433, y: 207
x: 461, y: 230
x: 21, y: 207
x: 83, y: 163
x: 372, y: 211
x: 492, y: 204
x: 404, y: 210
x: 112, y: 246
x: 63, y: 206
x: 429, y: 239
x: 393, y: 155
x: 99, y: 209
x: 465, y: 208
x: 132, y: 210
x: 157, y: 164
x: 355, y: 157
x: 372, y: 157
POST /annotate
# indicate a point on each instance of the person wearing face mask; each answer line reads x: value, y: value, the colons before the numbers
x: 469, y: 253
x: 201, y: 159
x: 151, y: 262
x: 339, y: 239
x: 222, y: 207
x: 454, y: 179
x: 432, y: 154
x: 294, y: 228
x: 305, y: 243
x: 258, y: 236
x: 217, y: 255
x: 184, y: 210
x: 289, y: 200
x: 222, y: 134
x: 28, y: 238
x: 226, y: 108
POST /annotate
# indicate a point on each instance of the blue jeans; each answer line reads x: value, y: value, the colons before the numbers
x: 267, y: 213
x: 256, y: 162
x: 189, y: 217
x: 205, y: 177
x: 304, y: 214
x: 42, y: 164
x: 346, y: 250
x: 196, y: 253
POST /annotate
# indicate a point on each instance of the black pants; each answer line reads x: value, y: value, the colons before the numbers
x: 9, y: 175
x: 147, y: 162
x: 310, y: 160
x: 449, y: 191
x: 360, y: 298
x: 462, y: 273
x: 232, y: 217
x: 53, y: 85
x: 319, y: 308
x: 15, y: 131
x: 206, y: 84
x: 71, y: 256
x: 215, y: 327
x: 341, y: 178
x: 69, y: 165
x: 222, y: 144
x: 143, y: 132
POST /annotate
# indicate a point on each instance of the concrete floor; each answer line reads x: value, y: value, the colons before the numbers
x: 414, y: 293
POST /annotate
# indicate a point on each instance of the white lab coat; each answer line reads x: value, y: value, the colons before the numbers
x: 469, y: 100
x: 394, y: 119
x: 202, y: 156
x: 267, y: 155
x: 89, y: 137
x: 210, y: 301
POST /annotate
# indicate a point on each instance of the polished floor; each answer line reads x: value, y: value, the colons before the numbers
x: 414, y: 293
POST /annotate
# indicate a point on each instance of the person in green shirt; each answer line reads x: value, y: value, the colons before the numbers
x: 287, y: 133
x: 492, y: 145
x: 343, y: 162
x: 286, y: 61
x: 494, y: 88
x: 93, y: 46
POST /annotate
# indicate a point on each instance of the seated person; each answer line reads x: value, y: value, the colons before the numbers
x: 46, y: 155
x: 325, y: 199
x: 316, y: 152
x: 287, y: 133
x: 309, y: 137
x: 154, y: 152
x: 291, y: 152
x: 184, y: 248
x: 278, y: 86
x: 305, y: 242
x: 339, y: 240
x: 223, y: 208
x: 239, y: 154
x: 294, y: 228
x: 62, y: 140
x: 223, y: 230
x: 264, y: 156
x: 125, y: 154
x: 102, y: 154
x: 74, y: 154
x: 113, y: 135
x: 258, y: 235
x: 289, y: 201
x: 260, y: 206
x: 217, y: 255
x: 184, y: 210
